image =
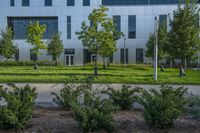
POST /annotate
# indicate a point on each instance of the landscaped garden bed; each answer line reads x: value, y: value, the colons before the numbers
x: 80, y: 108
x: 56, y: 120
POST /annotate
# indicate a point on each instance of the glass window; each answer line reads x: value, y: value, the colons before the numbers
x: 68, y: 27
x: 48, y: 2
x: 33, y: 55
x: 17, y: 55
x: 138, y: 2
x: 12, y: 2
x: 86, y: 2
x: 117, y: 22
x: 70, y: 2
x: 124, y: 54
x: 25, y: 3
x: 132, y: 26
x: 139, y: 55
x: 163, y: 20
x: 20, y: 24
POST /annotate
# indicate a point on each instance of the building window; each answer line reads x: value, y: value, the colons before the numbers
x: 33, y: 55
x: 20, y: 24
x: 139, y: 2
x: 70, y: 2
x: 47, y: 2
x: 25, y: 3
x: 140, y: 55
x: 111, y: 59
x: 132, y: 26
x: 12, y: 2
x: 117, y: 22
x: 86, y: 2
x: 17, y: 55
x: 163, y: 20
x: 124, y: 54
x: 68, y: 27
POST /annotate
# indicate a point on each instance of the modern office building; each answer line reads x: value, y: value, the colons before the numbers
x: 135, y: 18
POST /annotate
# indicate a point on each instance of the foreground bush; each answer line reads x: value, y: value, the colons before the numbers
x: 91, y: 111
x: 123, y: 98
x: 69, y: 93
x: 94, y: 113
x: 27, y: 63
x: 194, y: 106
x: 18, y: 108
x: 162, y: 107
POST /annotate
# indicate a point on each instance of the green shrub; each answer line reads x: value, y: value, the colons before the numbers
x: 94, y: 113
x: 27, y: 63
x: 91, y: 111
x: 194, y: 106
x: 18, y: 108
x: 123, y: 98
x: 162, y: 107
x: 69, y: 93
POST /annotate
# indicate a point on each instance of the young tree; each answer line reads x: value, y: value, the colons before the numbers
x: 35, y: 33
x: 7, y: 48
x: 55, y: 47
x: 100, y: 38
x: 163, y: 42
x: 184, y: 34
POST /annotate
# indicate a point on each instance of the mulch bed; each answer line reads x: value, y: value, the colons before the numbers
x: 54, y: 120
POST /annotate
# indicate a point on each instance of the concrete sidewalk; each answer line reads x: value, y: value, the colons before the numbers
x: 45, y: 98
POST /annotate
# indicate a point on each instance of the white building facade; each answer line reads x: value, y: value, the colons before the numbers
x: 135, y: 18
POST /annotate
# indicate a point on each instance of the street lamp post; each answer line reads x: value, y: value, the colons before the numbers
x: 156, y: 49
x: 198, y: 60
x: 124, y: 52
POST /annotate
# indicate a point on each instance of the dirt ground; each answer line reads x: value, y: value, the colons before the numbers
x: 53, y: 120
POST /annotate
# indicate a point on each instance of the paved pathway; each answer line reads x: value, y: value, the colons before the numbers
x: 45, y: 97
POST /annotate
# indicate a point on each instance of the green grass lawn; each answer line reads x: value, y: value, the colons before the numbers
x: 134, y: 75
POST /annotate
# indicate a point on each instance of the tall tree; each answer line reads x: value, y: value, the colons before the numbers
x: 101, y: 37
x: 184, y: 34
x: 55, y: 47
x: 35, y: 33
x: 163, y: 42
x: 7, y: 48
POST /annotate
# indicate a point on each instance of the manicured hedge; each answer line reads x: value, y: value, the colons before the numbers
x: 28, y: 63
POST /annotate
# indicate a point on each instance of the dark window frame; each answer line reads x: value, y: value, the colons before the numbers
x: 33, y: 56
x: 122, y: 55
x: 117, y: 22
x: 132, y: 26
x: 69, y: 27
x: 48, y: 3
x: 25, y: 2
x: 86, y: 2
x: 140, y: 2
x: 70, y: 2
x: 163, y: 20
x: 12, y: 2
x: 19, y: 25
x: 139, y: 58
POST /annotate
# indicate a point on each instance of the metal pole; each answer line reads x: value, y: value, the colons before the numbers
x: 198, y: 61
x: 124, y: 52
x: 156, y: 50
